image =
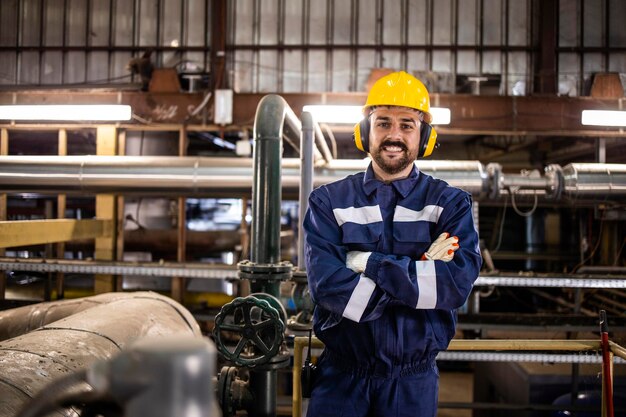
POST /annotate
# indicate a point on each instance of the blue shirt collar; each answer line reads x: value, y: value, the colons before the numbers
x: 402, y: 186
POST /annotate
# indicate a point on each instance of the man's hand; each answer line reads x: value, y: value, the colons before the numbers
x: 357, y: 261
x: 442, y: 249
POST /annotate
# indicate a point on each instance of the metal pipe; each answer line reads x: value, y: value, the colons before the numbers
x: 306, y: 179
x: 207, y: 176
x: 30, y: 361
x: 601, y: 181
x: 210, y: 176
x: 272, y: 113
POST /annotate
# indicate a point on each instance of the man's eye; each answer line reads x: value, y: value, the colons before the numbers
x: 383, y: 124
x: 406, y: 127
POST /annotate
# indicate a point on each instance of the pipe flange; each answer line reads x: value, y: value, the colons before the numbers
x: 494, y: 180
x: 281, y: 271
x: 299, y: 277
x: 554, y: 173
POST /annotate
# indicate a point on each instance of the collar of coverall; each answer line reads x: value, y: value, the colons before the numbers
x: 403, y: 186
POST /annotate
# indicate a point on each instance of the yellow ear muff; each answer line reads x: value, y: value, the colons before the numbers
x: 361, y: 135
x: 428, y: 139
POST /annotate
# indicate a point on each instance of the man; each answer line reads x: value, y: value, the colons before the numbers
x: 391, y: 254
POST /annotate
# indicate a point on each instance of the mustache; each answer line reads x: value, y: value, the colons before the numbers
x: 399, y: 144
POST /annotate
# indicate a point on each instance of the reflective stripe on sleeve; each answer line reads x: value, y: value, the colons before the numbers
x: 359, y: 215
x: 429, y: 214
x: 427, y: 284
x: 359, y: 299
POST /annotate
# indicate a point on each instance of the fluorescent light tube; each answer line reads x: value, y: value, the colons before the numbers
x: 353, y: 114
x: 88, y: 112
x: 603, y: 118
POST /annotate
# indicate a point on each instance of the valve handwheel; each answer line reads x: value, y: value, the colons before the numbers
x: 254, y: 326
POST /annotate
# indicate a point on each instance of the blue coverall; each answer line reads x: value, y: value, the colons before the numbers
x: 382, y: 329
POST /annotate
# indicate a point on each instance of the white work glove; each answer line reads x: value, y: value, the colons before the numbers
x: 442, y: 249
x: 357, y: 261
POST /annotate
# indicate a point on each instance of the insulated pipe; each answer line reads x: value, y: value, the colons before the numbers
x: 21, y: 320
x: 306, y: 179
x: 594, y: 180
x: 222, y: 177
x: 206, y: 176
x: 29, y: 362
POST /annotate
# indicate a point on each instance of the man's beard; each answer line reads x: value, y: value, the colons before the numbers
x: 395, y: 165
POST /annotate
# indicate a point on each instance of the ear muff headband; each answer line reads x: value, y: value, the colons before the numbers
x: 428, y: 138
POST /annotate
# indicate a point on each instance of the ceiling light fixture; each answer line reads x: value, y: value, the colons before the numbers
x: 76, y: 113
x: 353, y: 114
x: 603, y: 118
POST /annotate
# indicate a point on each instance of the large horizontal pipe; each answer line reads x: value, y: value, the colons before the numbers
x: 29, y: 362
x: 205, y: 176
x: 232, y: 177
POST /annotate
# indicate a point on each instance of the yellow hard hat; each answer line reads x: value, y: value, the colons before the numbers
x: 399, y: 89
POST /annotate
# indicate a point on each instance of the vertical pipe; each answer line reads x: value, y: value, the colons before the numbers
x: 306, y: 179
x: 263, y: 384
x: 266, y: 187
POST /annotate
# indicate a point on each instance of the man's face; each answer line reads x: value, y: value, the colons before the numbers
x: 394, y: 139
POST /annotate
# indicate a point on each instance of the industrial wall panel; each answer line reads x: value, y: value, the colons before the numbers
x: 366, y: 21
x: 443, y: 25
x: 617, y: 17
x: 97, y: 68
x: 419, y: 24
x: 491, y: 62
x: 52, y: 68
x: 518, y: 28
x: 342, y: 68
x: 317, y: 71
x: 244, y: 68
x: 418, y: 60
x: 244, y: 22
x: 318, y: 22
x: 343, y: 23
x: 442, y: 62
x: 147, y: 17
x: 517, y: 72
x: 8, y: 22
x: 77, y: 19
x: 267, y: 71
x: 196, y: 28
x: 29, y: 68
x: 569, y: 10
x: 294, y: 22
x: 8, y: 69
x: 617, y: 63
x: 468, y: 22
x: 594, y: 23
x: 492, y: 22
x: 467, y: 62
x: 54, y: 23
x: 292, y: 72
x: 100, y: 24
x: 123, y: 23
x: 30, y: 24
x: 393, y: 22
x: 568, y: 80
x: 270, y: 22
x: 74, y: 68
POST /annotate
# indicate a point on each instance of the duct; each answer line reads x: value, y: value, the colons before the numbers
x: 29, y: 362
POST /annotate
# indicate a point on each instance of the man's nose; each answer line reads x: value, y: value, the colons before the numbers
x: 395, y: 131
